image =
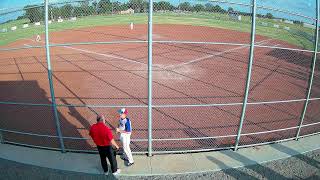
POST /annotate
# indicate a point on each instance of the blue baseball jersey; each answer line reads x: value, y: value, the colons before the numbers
x: 125, y: 125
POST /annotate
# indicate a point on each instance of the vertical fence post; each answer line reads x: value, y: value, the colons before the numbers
x: 245, y: 100
x: 150, y: 77
x: 1, y: 137
x: 314, y: 60
x: 111, y: 7
x: 54, y: 105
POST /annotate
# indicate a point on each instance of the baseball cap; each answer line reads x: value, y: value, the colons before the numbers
x: 123, y: 111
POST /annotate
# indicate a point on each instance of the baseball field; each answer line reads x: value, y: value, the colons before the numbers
x: 200, y: 64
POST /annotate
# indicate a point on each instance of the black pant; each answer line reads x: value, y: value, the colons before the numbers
x: 107, y: 151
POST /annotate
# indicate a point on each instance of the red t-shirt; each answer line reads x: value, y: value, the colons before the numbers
x: 101, y: 134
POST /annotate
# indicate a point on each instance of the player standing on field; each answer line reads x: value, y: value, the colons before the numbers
x: 125, y: 130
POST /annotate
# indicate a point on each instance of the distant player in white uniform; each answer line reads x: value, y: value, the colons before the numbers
x: 38, y: 38
x: 125, y: 130
x: 131, y: 25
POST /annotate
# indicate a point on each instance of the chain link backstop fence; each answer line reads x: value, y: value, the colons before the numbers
x: 194, y: 75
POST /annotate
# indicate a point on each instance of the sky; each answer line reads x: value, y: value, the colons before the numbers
x: 305, y: 7
x: 9, y: 4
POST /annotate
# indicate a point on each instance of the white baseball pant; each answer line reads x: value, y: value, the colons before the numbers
x: 125, y: 139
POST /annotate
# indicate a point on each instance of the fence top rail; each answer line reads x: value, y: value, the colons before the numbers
x: 15, y: 9
x: 231, y: 2
x: 35, y: 5
x: 266, y: 8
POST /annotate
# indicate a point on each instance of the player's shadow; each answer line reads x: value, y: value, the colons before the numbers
x: 75, y: 113
x: 37, y: 119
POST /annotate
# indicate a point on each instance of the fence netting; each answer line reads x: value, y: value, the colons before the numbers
x: 281, y: 72
x: 200, y: 60
x: 312, y: 121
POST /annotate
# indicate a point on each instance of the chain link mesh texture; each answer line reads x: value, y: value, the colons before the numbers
x: 99, y: 59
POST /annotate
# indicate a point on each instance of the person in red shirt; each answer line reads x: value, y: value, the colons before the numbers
x: 103, y: 138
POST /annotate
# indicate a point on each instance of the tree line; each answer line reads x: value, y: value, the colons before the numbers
x: 84, y: 8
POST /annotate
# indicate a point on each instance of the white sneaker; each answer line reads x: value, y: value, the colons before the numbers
x: 117, y: 172
x: 106, y: 173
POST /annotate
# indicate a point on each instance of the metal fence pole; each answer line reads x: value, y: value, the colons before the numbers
x: 245, y: 100
x: 150, y: 78
x: 314, y: 60
x: 54, y: 105
x: 111, y: 7
x: 1, y: 137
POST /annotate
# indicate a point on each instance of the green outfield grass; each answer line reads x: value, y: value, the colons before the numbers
x: 297, y: 35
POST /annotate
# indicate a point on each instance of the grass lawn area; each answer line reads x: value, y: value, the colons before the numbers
x: 297, y: 34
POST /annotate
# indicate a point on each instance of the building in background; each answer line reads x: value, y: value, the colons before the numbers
x: 128, y: 11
